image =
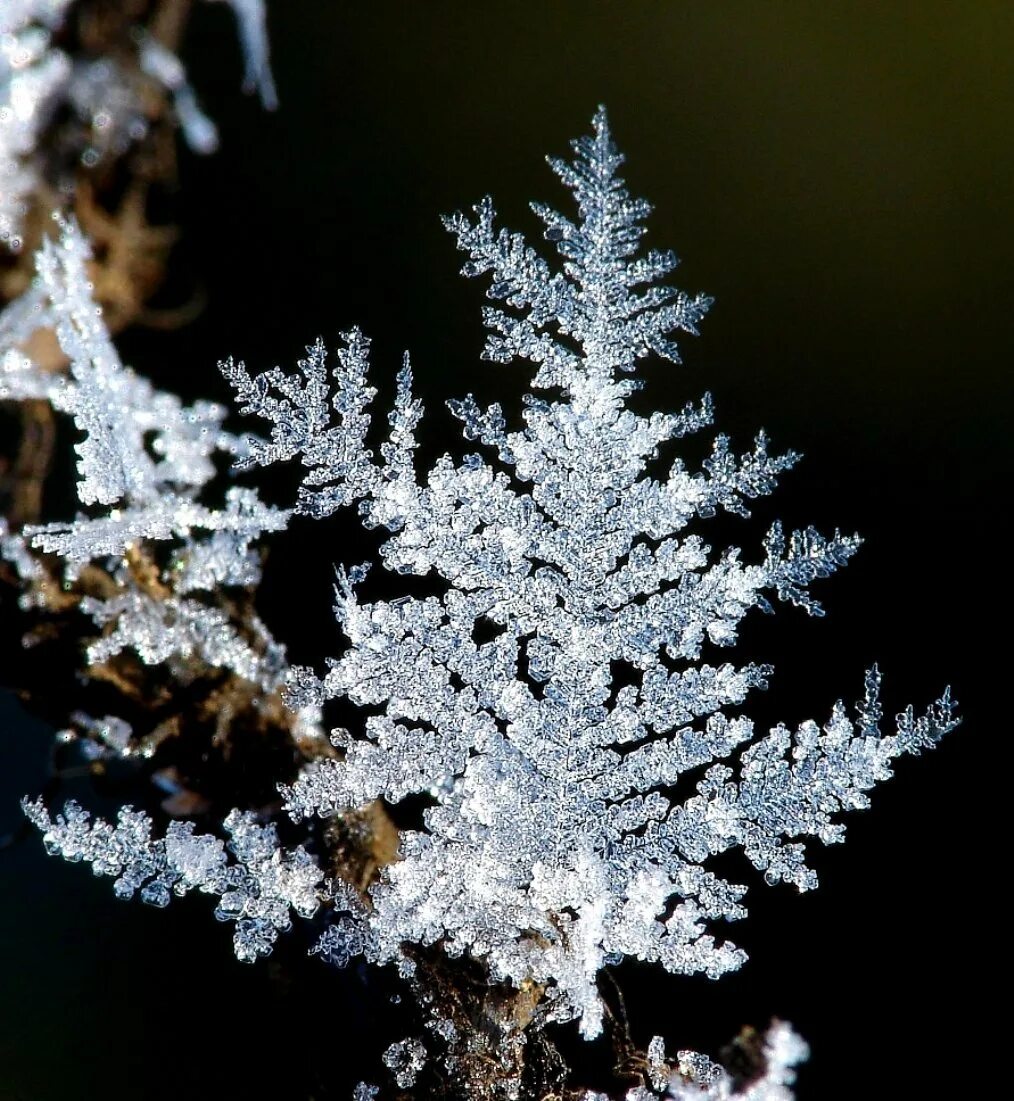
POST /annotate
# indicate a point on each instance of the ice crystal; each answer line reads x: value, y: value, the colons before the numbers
x: 658, y: 1068
x: 700, y: 1079
x: 143, y: 464
x: 405, y: 1059
x: 348, y: 933
x: 258, y: 883
x: 558, y: 700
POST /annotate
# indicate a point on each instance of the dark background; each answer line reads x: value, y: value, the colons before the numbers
x: 840, y: 179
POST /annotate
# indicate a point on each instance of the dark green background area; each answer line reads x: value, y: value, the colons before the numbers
x: 841, y: 179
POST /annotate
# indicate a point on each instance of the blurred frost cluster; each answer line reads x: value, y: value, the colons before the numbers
x: 100, y: 104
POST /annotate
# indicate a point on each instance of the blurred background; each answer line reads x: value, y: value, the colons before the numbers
x: 841, y: 179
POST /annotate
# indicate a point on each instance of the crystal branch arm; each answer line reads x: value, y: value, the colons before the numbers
x: 256, y: 881
x: 829, y: 770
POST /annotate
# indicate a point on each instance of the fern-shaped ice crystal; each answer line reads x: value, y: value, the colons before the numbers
x: 573, y: 817
x: 145, y: 461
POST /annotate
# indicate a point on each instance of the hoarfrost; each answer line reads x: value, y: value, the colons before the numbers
x: 571, y: 824
x: 561, y: 699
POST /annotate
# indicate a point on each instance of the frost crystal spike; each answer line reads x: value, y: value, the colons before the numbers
x: 573, y: 816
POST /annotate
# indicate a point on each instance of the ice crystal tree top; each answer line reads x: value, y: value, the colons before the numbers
x: 558, y: 700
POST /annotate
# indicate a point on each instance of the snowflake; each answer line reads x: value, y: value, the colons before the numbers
x: 571, y: 823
